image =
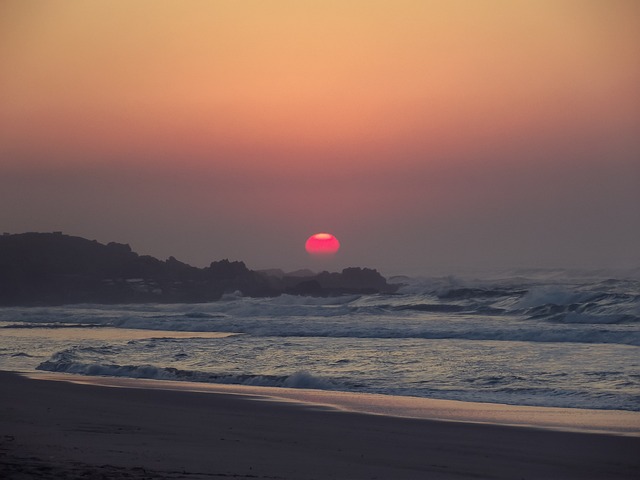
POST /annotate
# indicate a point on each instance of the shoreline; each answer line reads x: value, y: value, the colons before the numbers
x: 52, y: 428
x: 612, y: 422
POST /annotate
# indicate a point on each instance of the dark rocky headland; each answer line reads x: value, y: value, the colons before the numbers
x: 56, y: 269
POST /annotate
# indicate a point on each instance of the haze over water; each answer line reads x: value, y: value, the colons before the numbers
x: 425, y: 135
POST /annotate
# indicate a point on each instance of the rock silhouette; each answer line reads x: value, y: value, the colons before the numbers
x: 55, y: 269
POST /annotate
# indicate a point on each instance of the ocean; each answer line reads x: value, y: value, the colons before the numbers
x: 538, y: 338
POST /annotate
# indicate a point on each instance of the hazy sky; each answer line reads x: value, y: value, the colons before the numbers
x: 426, y: 135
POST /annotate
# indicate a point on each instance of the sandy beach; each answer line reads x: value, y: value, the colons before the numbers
x: 54, y: 429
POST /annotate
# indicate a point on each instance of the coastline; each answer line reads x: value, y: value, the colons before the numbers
x: 143, y: 429
x: 613, y: 422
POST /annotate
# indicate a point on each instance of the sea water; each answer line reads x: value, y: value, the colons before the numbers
x: 540, y: 339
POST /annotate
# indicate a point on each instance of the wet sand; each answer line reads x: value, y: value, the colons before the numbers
x: 54, y: 429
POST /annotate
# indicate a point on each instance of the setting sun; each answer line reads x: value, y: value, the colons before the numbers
x: 322, y: 244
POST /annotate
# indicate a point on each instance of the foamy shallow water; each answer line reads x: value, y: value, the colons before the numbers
x: 558, y: 343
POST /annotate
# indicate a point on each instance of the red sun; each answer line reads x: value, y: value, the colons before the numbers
x: 322, y: 244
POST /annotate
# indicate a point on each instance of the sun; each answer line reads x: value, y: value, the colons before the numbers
x: 323, y: 244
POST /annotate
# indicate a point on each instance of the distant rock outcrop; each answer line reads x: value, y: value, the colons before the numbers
x: 350, y: 280
x: 53, y: 269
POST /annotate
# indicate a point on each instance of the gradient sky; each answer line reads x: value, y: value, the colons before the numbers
x: 426, y: 135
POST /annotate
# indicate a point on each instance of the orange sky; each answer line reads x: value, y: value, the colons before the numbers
x: 283, y: 118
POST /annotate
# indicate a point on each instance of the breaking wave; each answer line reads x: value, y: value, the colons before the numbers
x: 507, y: 310
x: 556, y: 342
x: 66, y: 362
